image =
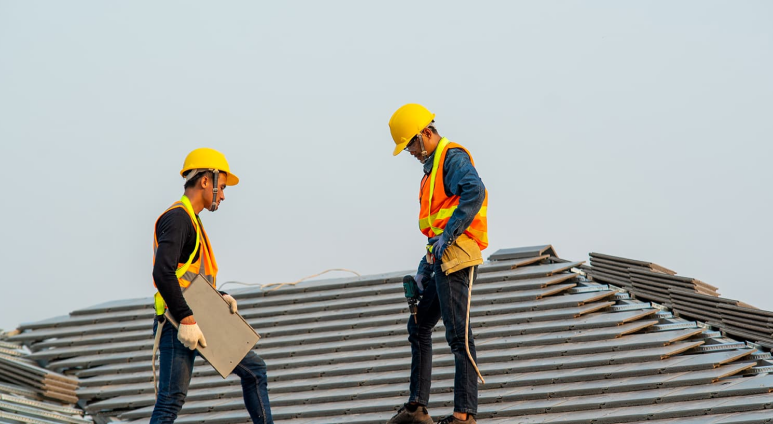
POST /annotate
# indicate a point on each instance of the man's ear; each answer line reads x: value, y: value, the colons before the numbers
x: 204, y: 181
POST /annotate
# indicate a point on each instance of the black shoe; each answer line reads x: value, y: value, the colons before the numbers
x: 451, y: 419
x: 404, y: 415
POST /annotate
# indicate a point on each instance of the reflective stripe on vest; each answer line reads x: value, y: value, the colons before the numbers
x: 436, y: 207
x: 187, y: 271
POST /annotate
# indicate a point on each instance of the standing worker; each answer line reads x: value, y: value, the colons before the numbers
x: 181, y: 252
x: 452, y: 214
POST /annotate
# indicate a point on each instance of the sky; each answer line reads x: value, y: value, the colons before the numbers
x: 638, y: 129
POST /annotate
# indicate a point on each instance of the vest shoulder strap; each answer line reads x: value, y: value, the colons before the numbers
x: 185, y: 203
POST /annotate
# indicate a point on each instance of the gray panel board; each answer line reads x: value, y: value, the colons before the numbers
x: 634, y: 262
x: 522, y: 252
x: 509, y: 264
x: 528, y: 272
x: 229, y: 337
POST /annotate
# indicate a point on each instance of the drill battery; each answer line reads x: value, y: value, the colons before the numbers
x: 412, y: 295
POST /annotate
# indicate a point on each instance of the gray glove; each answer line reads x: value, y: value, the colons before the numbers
x: 419, y: 278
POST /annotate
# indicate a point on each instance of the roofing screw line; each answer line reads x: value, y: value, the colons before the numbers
x: 719, y: 347
x: 280, y: 285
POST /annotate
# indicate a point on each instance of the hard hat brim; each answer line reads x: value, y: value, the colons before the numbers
x: 232, y: 180
x: 400, y: 147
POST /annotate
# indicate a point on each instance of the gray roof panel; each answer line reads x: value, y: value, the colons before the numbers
x: 522, y: 252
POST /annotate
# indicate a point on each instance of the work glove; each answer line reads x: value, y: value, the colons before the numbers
x: 231, y: 302
x: 440, y: 246
x: 190, y: 336
x: 419, y: 278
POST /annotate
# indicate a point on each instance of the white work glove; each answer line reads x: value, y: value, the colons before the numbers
x: 231, y: 302
x: 190, y: 336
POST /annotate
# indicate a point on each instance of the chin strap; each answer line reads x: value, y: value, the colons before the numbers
x: 215, y: 175
x: 213, y: 206
x: 424, y: 155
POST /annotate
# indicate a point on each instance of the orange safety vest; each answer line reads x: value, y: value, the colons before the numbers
x: 436, y: 207
x: 186, y: 272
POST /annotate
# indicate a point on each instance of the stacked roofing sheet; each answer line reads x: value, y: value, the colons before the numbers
x: 644, y: 279
x: 685, y: 296
x: 553, y: 347
x: 25, y: 386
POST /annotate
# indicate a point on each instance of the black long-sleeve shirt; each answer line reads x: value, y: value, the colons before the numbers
x: 176, y: 238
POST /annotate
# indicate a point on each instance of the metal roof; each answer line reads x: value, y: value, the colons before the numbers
x: 558, y: 342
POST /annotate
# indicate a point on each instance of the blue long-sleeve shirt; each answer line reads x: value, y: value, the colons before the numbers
x: 460, y: 179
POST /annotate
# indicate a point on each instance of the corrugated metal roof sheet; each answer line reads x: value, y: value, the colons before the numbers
x: 685, y: 296
x: 553, y: 345
x: 32, y: 394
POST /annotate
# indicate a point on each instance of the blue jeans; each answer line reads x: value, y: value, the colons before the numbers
x: 175, y: 370
x: 444, y: 296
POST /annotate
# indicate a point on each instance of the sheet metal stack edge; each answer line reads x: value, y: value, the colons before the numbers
x: 31, y: 394
x: 685, y: 296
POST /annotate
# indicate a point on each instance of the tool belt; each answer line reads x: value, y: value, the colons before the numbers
x: 463, y: 254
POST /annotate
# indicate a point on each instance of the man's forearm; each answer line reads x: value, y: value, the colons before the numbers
x: 461, y: 179
x: 470, y: 201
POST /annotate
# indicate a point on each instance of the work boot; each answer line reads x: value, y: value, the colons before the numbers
x: 411, y: 414
x: 451, y: 419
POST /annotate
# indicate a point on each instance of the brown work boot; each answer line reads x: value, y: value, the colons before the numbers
x: 411, y: 414
x: 451, y: 419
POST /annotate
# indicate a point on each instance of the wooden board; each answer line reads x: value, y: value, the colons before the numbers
x: 229, y: 337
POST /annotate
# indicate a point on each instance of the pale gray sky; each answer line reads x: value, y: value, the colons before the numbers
x: 639, y: 129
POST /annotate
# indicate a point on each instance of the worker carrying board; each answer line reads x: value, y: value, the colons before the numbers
x: 452, y: 214
x: 184, y: 272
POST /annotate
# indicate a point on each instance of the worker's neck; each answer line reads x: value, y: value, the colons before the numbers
x: 196, y: 198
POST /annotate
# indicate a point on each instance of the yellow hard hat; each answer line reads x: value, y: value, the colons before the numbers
x: 406, y: 122
x: 205, y: 158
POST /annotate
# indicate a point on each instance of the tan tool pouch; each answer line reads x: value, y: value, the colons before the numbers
x: 464, y: 253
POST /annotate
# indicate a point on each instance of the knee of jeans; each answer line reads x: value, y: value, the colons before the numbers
x: 455, y: 341
x: 170, y: 401
x: 412, y: 327
x: 413, y: 338
x: 418, y: 333
x: 256, y: 362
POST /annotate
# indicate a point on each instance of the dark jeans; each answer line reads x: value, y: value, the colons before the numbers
x: 446, y: 297
x: 176, y: 368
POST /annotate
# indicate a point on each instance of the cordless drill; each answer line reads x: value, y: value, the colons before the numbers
x: 411, y: 290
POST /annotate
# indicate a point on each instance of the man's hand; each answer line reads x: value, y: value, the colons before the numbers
x: 190, y: 335
x: 231, y: 302
x: 439, y: 247
x: 419, y: 278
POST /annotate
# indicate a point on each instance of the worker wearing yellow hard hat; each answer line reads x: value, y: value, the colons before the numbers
x: 211, y: 161
x: 406, y: 123
x: 452, y: 215
x: 181, y: 252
